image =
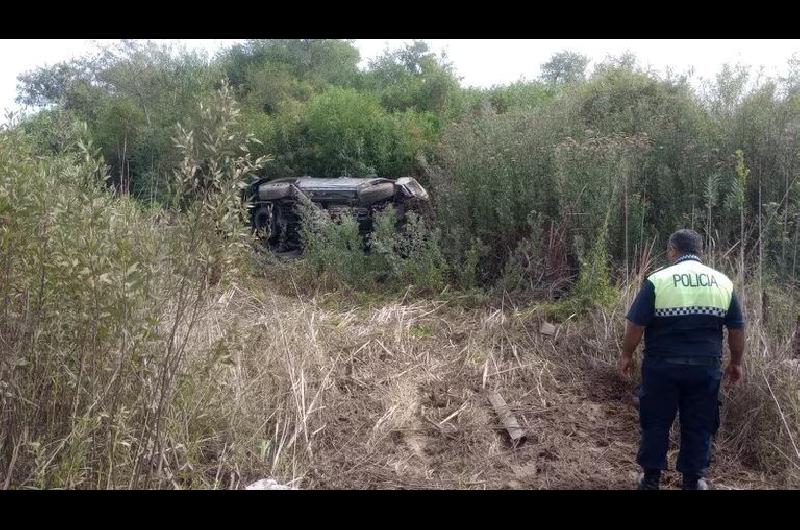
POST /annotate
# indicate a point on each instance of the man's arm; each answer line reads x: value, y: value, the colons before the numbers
x: 734, y: 321
x: 633, y: 336
x: 736, y: 345
x: 639, y: 316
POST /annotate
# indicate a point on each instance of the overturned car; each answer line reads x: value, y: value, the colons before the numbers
x: 276, y: 221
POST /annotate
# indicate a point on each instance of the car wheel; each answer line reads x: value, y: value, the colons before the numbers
x: 262, y: 220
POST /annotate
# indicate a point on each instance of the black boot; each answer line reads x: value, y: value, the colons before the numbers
x: 650, y: 479
x: 693, y: 482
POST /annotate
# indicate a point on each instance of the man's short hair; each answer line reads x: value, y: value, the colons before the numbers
x: 686, y: 241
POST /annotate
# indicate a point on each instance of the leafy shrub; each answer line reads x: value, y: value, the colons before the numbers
x: 101, y: 300
x: 393, y: 255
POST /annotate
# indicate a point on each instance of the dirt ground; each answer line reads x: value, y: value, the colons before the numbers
x: 407, y: 407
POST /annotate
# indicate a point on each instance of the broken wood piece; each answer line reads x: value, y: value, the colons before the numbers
x: 547, y: 329
x: 515, y: 432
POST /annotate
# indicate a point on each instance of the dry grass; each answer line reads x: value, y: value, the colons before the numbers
x: 326, y: 391
x: 392, y: 396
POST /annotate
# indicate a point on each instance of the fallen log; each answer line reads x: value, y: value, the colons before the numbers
x: 515, y: 433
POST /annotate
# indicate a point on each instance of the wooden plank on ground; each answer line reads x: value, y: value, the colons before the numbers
x: 515, y: 433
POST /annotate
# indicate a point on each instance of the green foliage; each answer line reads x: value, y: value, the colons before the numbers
x: 318, y: 62
x: 334, y: 247
x: 736, y: 198
x: 100, y: 297
x: 305, y: 100
x: 271, y: 87
x: 520, y: 96
x: 565, y: 68
x: 537, y: 268
x: 491, y: 171
x: 412, y: 77
x: 391, y: 256
x: 622, y: 148
x: 131, y: 95
x: 591, y: 177
x: 53, y: 131
x: 594, y: 287
x: 467, y: 276
x: 643, y: 154
x: 350, y: 131
x: 60, y: 84
x: 86, y: 259
x: 412, y: 255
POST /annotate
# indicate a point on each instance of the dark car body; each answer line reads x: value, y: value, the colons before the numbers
x: 274, y: 218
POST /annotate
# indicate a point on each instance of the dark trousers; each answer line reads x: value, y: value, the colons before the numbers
x: 691, y: 390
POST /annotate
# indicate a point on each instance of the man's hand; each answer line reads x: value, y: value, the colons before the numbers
x: 625, y: 366
x: 736, y: 343
x: 733, y: 372
x: 633, y: 335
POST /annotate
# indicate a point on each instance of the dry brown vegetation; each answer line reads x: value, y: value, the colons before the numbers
x: 326, y: 393
x: 324, y: 389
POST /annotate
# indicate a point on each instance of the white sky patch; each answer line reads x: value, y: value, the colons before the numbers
x: 479, y: 62
x: 483, y: 62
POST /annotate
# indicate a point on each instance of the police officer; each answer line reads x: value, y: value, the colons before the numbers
x: 680, y: 310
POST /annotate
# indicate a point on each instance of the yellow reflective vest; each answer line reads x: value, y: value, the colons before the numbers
x: 684, y: 308
x: 691, y: 288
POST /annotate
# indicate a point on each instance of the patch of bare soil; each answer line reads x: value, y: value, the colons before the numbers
x: 409, y: 408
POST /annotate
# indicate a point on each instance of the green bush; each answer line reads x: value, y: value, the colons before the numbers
x: 395, y: 255
x: 351, y: 134
x: 563, y: 146
x: 333, y: 247
x: 411, y: 254
x: 594, y: 287
x: 490, y: 173
x: 100, y: 299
